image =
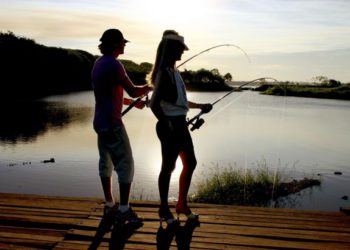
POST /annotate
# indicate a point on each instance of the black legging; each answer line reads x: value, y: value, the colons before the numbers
x: 175, y: 140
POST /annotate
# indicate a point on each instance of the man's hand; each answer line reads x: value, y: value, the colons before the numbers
x: 140, y: 105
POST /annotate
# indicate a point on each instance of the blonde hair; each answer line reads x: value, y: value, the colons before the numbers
x: 165, y: 50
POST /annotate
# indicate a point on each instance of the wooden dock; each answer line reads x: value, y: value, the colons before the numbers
x: 41, y: 222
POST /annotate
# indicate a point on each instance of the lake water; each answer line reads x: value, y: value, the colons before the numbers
x: 298, y: 136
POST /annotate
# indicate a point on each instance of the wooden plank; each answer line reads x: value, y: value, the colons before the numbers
x: 17, y: 247
x: 42, y: 222
x: 19, y: 243
x: 213, y: 230
x: 230, y: 239
x: 42, y: 211
x: 36, y: 201
x: 36, y: 231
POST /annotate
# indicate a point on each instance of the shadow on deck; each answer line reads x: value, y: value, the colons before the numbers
x: 43, y: 222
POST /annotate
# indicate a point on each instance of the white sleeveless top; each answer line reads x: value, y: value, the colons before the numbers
x: 180, y: 107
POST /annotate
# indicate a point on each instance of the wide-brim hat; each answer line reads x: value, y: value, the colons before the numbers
x: 112, y: 36
x: 179, y: 38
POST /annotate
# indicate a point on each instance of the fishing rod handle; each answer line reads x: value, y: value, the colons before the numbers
x: 190, y: 121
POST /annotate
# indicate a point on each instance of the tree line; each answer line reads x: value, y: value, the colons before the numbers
x: 29, y: 70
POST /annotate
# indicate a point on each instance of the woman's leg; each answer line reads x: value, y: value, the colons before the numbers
x: 168, y: 165
x: 189, y: 163
x: 169, y: 156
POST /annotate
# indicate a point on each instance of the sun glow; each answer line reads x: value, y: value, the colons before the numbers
x: 165, y: 13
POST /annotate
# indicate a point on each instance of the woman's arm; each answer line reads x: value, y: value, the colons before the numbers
x: 205, y: 107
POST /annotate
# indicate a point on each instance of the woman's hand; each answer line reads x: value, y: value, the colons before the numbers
x: 206, y: 107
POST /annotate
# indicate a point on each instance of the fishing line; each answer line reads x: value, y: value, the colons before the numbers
x: 246, y: 146
x: 226, y: 106
x: 196, y: 121
x: 139, y: 99
x: 280, y: 128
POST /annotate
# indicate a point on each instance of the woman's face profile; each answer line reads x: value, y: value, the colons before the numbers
x: 178, y: 51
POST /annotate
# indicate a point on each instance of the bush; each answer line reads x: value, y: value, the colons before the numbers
x: 247, y: 187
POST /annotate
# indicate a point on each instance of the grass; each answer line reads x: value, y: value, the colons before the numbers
x: 340, y: 92
x: 248, y: 187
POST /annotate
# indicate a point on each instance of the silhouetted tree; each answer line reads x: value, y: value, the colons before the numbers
x: 228, y: 77
x: 29, y: 70
x: 206, y: 80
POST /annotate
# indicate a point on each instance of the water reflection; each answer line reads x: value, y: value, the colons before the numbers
x: 25, y: 121
x: 241, y: 130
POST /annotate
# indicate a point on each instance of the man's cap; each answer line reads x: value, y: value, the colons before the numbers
x: 177, y: 38
x: 112, y: 36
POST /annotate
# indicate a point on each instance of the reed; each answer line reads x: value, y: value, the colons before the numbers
x: 257, y: 187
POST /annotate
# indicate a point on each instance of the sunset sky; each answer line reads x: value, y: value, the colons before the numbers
x: 285, y: 39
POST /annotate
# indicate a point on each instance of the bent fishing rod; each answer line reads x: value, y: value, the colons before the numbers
x: 214, y: 47
x: 139, y: 99
x: 196, y: 122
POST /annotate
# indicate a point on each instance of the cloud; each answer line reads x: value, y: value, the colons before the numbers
x: 275, y: 31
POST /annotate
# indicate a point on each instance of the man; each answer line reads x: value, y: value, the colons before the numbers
x: 109, y: 80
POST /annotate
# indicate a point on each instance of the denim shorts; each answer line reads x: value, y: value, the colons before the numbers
x: 115, y: 152
x: 175, y: 139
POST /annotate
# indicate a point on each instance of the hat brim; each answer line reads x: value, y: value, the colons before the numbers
x: 176, y: 38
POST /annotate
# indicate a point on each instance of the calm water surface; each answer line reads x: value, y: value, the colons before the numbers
x: 298, y: 136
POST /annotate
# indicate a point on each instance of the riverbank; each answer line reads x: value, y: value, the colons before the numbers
x: 341, y: 92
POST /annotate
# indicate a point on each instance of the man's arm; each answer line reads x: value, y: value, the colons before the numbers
x: 133, y: 90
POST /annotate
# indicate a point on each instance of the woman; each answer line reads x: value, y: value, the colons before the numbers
x: 170, y: 105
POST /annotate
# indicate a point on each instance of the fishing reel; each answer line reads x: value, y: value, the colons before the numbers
x: 196, y: 124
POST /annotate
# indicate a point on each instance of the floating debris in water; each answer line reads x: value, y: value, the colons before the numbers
x: 345, y: 197
x: 338, y: 173
x: 52, y: 160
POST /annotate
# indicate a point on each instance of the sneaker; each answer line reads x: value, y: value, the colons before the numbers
x: 129, y: 216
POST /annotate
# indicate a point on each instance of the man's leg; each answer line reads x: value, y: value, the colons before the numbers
x: 124, y: 190
x: 127, y: 214
x: 107, y: 189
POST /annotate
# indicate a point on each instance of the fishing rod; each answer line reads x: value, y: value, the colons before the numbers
x: 214, y: 47
x: 134, y: 103
x: 196, y: 122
